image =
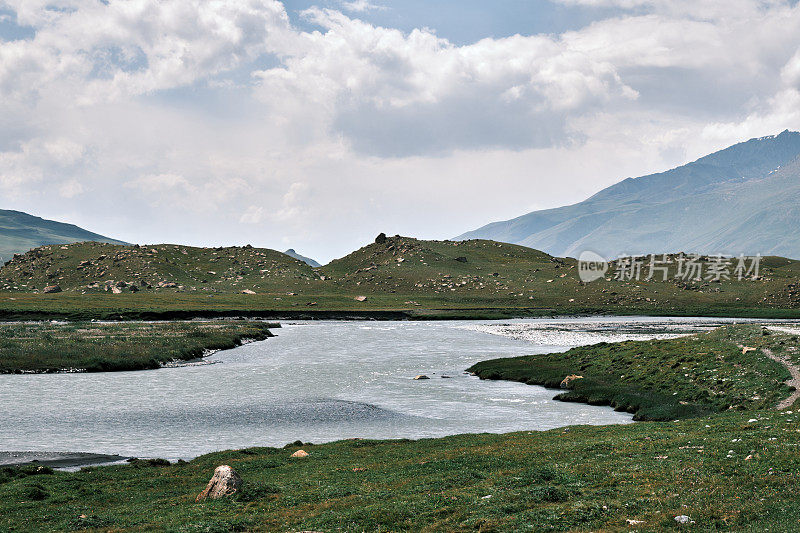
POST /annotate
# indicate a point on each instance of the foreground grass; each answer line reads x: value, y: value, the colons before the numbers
x: 97, y: 347
x: 734, y: 471
x: 663, y: 379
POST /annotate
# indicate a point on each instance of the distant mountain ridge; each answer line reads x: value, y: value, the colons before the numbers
x: 743, y: 199
x: 20, y: 232
x: 307, y: 260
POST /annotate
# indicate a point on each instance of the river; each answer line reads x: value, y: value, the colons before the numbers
x: 316, y: 381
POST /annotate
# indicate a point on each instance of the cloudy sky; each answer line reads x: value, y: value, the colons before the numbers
x: 318, y: 124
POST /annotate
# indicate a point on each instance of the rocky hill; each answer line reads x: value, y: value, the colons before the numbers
x: 470, y: 268
x: 390, y: 274
x: 91, y: 267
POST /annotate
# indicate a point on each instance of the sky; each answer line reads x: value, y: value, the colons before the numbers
x: 316, y: 125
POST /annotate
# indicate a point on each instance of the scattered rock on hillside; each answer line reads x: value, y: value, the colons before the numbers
x: 248, y: 291
x: 300, y: 454
x: 226, y: 481
x: 360, y: 298
x: 51, y: 289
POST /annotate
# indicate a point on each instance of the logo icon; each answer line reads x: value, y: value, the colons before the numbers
x: 591, y: 266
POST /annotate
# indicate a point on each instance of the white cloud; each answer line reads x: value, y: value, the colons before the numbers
x: 101, y: 52
x: 361, y: 6
x: 159, y: 183
x: 217, y: 122
x: 292, y: 208
x: 70, y: 188
x: 252, y: 215
x: 389, y: 93
x: 790, y: 73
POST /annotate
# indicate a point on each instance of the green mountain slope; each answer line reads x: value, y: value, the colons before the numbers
x: 92, y: 267
x: 743, y: 199
x: 20, y: 232
x: 396, y: 274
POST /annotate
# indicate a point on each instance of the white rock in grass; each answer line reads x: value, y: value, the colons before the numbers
x: 224, y: 482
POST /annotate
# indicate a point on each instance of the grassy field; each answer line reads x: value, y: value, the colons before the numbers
x: 398, y: 278
x: 733, y: 471
x: 99, y: 347
x: 663, y: 379
x: 736, y: 469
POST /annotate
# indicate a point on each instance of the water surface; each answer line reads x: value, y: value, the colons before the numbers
x: 315, y: 381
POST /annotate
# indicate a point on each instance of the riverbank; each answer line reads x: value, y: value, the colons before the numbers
x: 46, y: 347
x: 664, y: 379
x: 409, y: 306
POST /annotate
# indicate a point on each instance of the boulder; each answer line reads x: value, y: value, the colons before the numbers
x: 50, y: 289
x: 248, y: 291
x: 300, y: 454
x: 380, y: 239
x: 567, y: 382
x: 421, y: 376
x: 360, y: 298
x: 224, y: 482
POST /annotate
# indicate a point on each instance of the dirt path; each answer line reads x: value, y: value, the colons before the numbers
x: 793, y: 382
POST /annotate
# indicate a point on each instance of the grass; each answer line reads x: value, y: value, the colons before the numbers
x: 400, y: 278
x: 100, y: 347
x: 734, y: 471
x: 731, y: 470
x: 662, y: 379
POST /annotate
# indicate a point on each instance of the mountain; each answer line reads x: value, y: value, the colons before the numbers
x: 743, y: 199
x: 307, y: 260
x: 19, y: 232
x: 94, y: 266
